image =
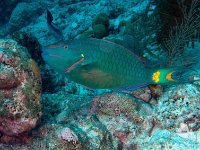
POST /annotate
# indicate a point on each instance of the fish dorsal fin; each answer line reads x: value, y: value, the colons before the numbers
x: 128, y: 49
x: 49, y: 17
x: 133, y: 44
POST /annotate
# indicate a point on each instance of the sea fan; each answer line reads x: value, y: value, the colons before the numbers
x: 183, y: 32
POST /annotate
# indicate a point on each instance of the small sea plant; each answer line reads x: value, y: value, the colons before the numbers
x: 180, y: 30
x: 100, y: 25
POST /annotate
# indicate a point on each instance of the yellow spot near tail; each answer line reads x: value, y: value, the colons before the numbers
x: 82, y: 55
x: 156, y: 76
x: 169, y: 76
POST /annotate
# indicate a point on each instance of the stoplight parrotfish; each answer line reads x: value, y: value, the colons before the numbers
x: 102, y: 64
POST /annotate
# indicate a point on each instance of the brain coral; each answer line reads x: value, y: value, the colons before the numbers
x: 20, y: 89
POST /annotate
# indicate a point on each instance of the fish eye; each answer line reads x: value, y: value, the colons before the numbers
x: 65, y: 46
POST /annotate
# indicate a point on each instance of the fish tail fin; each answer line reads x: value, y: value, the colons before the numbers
x: 175, y: 75
x: 49, y: 17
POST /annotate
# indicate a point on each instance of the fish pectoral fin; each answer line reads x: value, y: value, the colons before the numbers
x: 86, y: 65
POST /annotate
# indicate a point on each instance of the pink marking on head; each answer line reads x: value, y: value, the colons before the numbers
x: 54, y: 55
x: 73, y: 65
x: 57, y: 45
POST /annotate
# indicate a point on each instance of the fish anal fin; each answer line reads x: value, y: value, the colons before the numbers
x: 133, y: 87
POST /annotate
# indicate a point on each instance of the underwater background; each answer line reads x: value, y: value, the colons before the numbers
x: 42, y: 109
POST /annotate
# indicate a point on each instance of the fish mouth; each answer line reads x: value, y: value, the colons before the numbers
x: 51, y: 58
x: 44, y: 53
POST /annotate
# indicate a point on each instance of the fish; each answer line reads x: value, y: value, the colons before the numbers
x: 101, y: 64
x: 53, y: 28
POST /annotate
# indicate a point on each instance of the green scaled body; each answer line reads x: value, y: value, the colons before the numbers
x: 102, y: 64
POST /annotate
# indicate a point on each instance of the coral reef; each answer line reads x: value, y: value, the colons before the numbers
x: 49, y: 136
x: 6, y: 9
x: 164, y: 139
x: 58, y: 137
x: 23, y: 14
x: 74, y: 116
x: 126, y: 118
x: 100, y: 25
x: 179, y: 22
x: 20, y: 89
x: 179, y: 107
x: 71, y: 108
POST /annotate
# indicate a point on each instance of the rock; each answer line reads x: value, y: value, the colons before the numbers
x: 59, y: 138
x: 71, y: 107
x: 49, y: 136
x: 23, y: 14
x: 164, y: 139
x: 6, y: 8
x: 126, y: 118
x: 93, y: 133
x: 179, y: 105
x: 81, y: 13
x: 20, y: 89
x: 143, y: 94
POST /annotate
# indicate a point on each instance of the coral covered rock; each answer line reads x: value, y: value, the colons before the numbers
x: 179, y: 107
x: 6, y: 8
x: 46, y: 137
x: 59, y: 138
x: 126, y: 118
x: 164, y: 139
x: 20, y: 89
x: 23, y: 14
x: 71, y: 107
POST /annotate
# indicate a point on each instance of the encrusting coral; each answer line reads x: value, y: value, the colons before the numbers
x: 20, y: 89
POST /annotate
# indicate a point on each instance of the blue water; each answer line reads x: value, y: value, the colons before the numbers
x: 42, y: 108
